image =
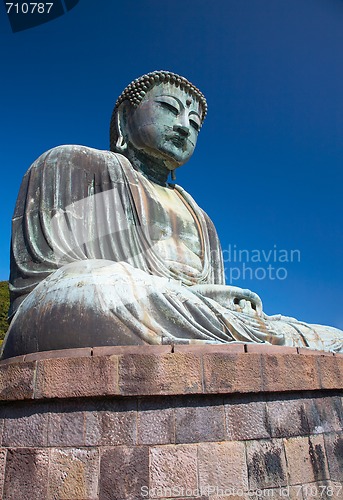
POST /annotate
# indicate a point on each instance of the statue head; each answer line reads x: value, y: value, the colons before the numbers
x: 159, y: 116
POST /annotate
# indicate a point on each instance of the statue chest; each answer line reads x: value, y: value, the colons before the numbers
x: 173, y: 227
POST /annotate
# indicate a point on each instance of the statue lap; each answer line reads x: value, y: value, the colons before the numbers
x: 100, y: 301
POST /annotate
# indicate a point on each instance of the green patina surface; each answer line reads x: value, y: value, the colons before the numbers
x: 4, y: 305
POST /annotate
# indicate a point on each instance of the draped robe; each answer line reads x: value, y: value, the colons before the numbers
x: 85, y: 270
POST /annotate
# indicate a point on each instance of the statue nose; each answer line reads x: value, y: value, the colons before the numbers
x: 182, y: 129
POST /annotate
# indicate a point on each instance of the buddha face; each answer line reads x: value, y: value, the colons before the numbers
x: 165, y: 125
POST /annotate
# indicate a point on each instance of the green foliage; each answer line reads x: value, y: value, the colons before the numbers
x: 4, y: 305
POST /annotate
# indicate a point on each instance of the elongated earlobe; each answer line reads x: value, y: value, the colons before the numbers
x: 121, y: 144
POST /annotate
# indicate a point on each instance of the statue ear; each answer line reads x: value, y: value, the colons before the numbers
x: 121, y: 144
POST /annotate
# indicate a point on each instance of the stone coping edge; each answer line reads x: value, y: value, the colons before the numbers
x: 168, y: 370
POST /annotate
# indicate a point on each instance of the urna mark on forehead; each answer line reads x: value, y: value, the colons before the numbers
x: 180, y: 98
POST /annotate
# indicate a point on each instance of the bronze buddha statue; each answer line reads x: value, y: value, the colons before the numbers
x: 106, y: 252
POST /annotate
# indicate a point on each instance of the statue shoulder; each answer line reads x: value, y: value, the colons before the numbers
x: 74, y: 154
x: 70, y: 157
x: 68, y: 173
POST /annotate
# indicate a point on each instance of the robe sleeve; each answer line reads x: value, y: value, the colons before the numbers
x: 217, y: 275
x: 53, y: 222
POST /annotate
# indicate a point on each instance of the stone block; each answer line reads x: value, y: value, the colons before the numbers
x: 16, y: 381
x: 246, y: 419
x: 231, y: 495
x: 124, y: 473
x: 110, y: 350
x: 160, y: 374
x: 210, y: 348
x: 80, y: 352
x: 289, y: 372
x: 222, y: 466
x: 3, y: 453
x: 313, y: 352
x: 25, y: 426
x: 76, y: 377
x: 266, y: 464
x: 66, y: 429
x: 73, y: 474
x: 288, y: 417
x: 113, y: 423
x: 156, y: 423
x: 26, y: 475
x: 270, y: 349
x: 199, y: 420
x: 334, y: 451
x: 306, y: 459
x: 173, y: 470
x: 325, y: 414
x: 293, y: 493
x: 188, y: 498
x: 330, y: 372
x: 11, y: 361
x: 228, y: 373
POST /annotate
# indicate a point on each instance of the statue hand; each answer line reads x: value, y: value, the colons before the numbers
x: 232, y: 297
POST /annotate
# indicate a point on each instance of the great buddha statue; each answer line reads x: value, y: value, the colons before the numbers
x: 105, y: 251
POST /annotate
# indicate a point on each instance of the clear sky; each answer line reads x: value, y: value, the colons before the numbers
x: 268, y: 165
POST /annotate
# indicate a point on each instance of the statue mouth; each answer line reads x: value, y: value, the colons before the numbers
x: 178, y: 141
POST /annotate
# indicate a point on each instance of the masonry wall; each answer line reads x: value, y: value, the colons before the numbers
x: 214, y: 422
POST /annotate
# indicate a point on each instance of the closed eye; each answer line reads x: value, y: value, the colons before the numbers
x: 195, y: 125
x: 170, y: 107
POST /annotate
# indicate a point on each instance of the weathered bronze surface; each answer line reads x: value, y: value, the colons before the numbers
x: 106, y: 252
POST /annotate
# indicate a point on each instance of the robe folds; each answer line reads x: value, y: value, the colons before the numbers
x: 85, y: 271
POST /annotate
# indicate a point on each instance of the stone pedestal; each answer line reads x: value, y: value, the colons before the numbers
x: 160, y: 422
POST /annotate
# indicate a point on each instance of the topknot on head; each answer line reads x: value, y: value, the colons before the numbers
x: 137, y: 89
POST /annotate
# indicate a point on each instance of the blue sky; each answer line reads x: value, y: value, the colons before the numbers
x: 268, y: 165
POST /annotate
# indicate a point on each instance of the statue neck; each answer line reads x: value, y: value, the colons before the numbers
x: 154, y: 169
